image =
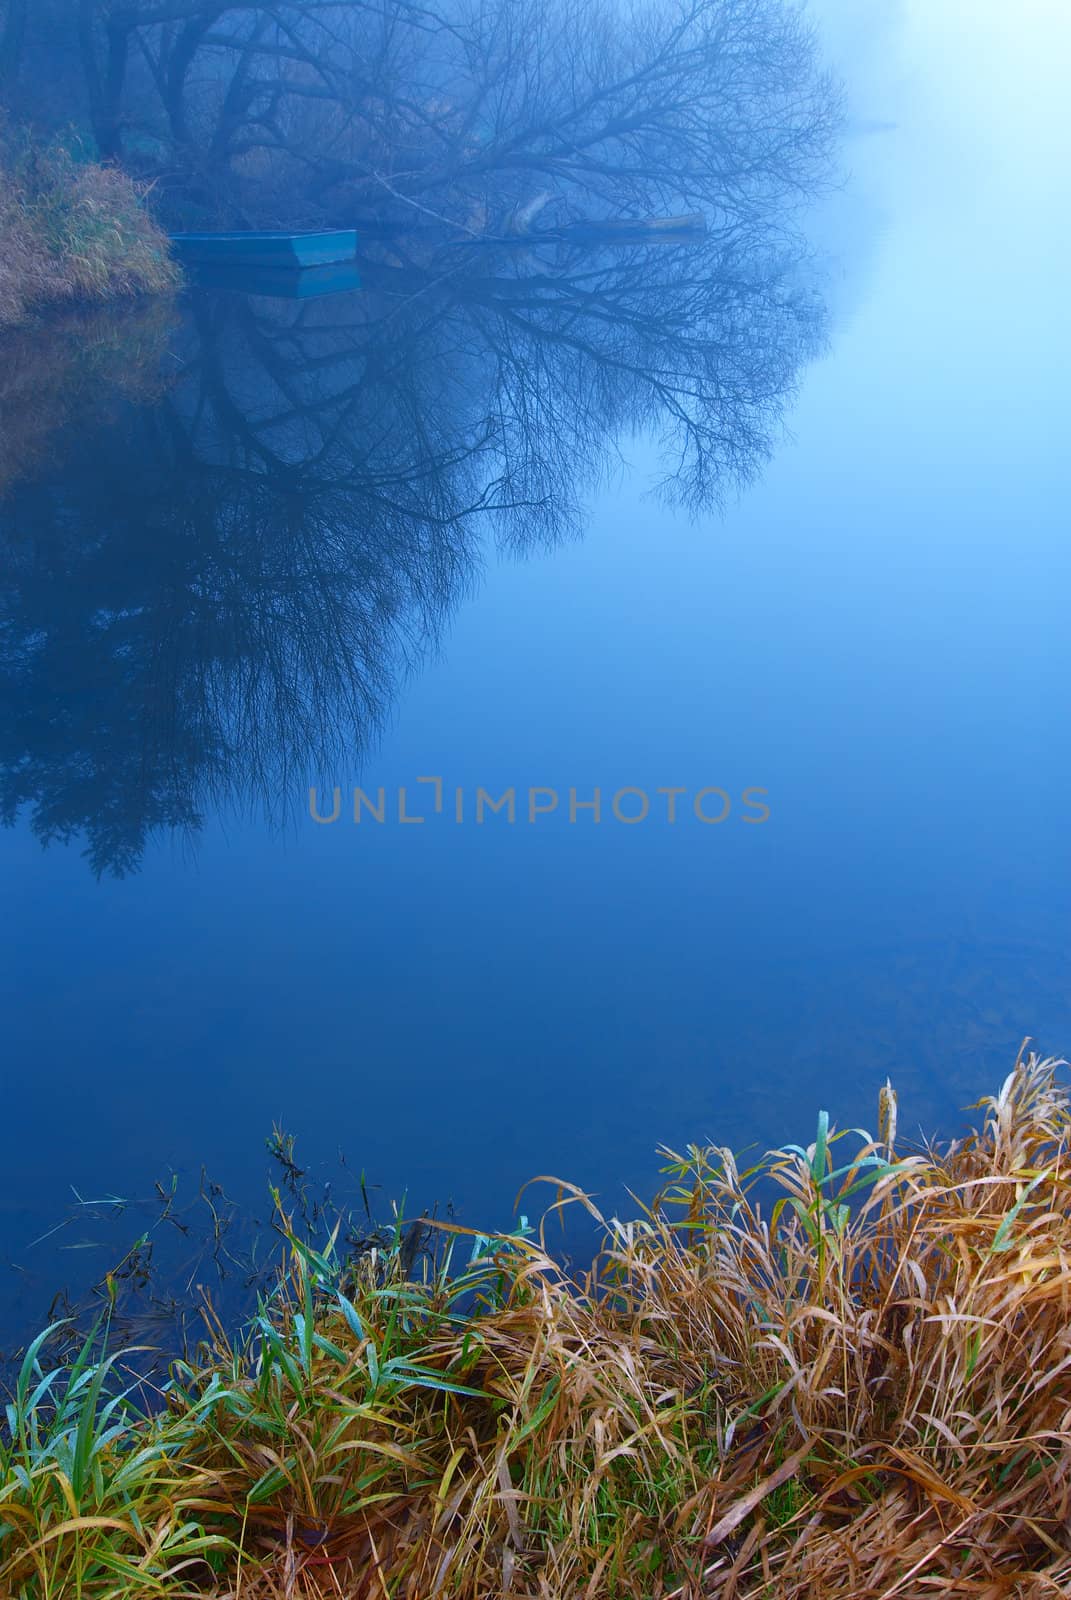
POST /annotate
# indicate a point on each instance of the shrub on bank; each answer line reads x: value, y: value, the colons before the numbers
x: 72, y: 230
x: 862, y: 1389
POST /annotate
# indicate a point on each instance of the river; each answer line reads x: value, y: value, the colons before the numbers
x: 870, y: 639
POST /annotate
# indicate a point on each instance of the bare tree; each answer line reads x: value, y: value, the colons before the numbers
x: 281, y: 536
x: 239, y: 572
x: 476, y: 112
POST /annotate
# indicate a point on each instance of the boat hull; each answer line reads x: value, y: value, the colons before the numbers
x: 281, y: 250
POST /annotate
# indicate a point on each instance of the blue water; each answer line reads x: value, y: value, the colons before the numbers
x: 874, y: 633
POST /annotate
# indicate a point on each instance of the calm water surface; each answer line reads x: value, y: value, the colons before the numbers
x: 874, y: 632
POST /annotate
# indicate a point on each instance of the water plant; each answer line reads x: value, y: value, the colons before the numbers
x: 843, y: 1371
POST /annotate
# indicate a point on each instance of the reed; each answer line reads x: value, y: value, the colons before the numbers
x: 844, y: 1371
x: 72, y: 230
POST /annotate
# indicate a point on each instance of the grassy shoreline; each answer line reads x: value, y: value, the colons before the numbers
x: 862, y: 1390
x: 72, y: 231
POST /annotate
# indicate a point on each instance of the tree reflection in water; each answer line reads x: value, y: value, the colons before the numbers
x: 211, y: 595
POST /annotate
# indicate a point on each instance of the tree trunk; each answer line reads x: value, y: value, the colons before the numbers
x: 181, y: 59
x: 104, y: 83
x: 12, y: 40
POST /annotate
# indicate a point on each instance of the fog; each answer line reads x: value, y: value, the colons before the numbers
x: 863, y: 610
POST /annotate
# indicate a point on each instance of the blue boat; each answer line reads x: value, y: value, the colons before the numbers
x: 249, y: 249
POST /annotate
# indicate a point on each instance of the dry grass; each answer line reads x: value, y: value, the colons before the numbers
x: 858, y: 1385
x: 72, y: 230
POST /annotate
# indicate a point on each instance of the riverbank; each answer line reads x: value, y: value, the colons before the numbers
x: 73, y: 231
x: 862, y: 1389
